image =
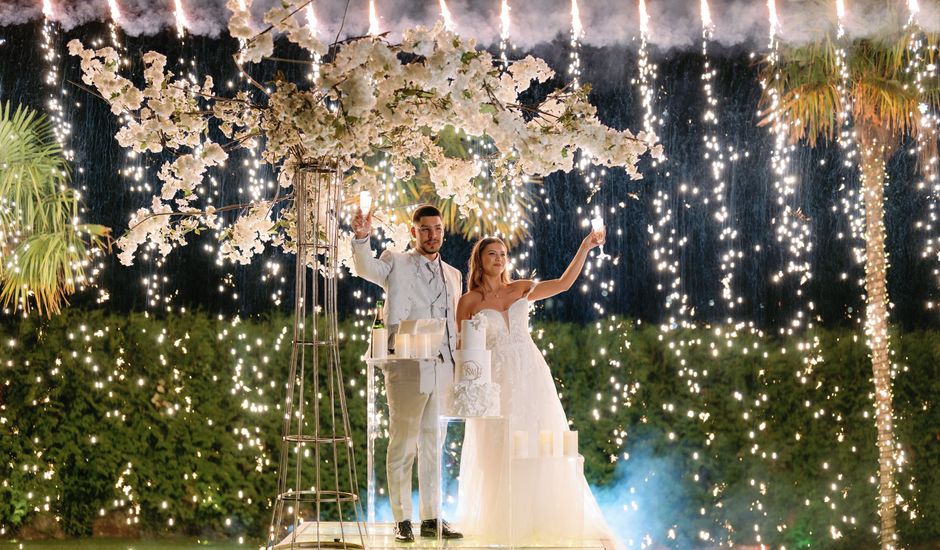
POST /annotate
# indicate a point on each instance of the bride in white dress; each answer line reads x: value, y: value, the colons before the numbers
x: 529, y: 402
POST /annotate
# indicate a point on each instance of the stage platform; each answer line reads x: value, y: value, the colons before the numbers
x: 382, y: 535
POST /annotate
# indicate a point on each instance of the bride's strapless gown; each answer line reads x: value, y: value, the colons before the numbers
x: 528, y: 402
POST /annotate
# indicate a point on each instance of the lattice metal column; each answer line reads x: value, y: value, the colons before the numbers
x: 317, y: 473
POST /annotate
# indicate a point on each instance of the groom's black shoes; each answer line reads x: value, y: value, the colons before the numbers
x: 429, y: 529
x: 403, y: 532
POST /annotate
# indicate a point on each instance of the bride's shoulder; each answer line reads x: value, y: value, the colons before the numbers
x: 470, y: 300
x: 468, y: 304
x: 471, y: 297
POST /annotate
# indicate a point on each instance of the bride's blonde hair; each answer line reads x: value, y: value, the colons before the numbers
x: 475, y: 277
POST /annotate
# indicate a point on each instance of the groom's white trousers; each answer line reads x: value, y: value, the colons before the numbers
x: 414, y: 431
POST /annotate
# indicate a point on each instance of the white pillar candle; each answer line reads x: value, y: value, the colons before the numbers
x: 571, y: 443
x: 379, y: 343
x: 403, y: 346
x: 365, y: 201
x: 558, y: 448
x: 546, y: 440
x: 520, y: 444
x: 422, y: 346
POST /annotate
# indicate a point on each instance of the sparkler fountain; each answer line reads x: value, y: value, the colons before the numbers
x: 852, y: 204
x: 717, y: 157
x: 155, y: 282
x: 114, y: 25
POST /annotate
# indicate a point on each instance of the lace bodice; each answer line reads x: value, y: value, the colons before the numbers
x: 507, y: 328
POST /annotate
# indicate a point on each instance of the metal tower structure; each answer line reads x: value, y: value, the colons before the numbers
x: 317, y: 472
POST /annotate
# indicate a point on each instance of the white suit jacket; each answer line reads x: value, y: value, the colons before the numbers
x: 408, y: 294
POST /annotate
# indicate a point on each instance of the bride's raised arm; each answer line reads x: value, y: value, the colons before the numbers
x: 547, y: 289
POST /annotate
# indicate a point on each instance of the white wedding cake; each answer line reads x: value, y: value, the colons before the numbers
x: 473, y: 394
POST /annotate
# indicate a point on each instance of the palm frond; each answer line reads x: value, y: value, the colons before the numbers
x: 880, y: 86
x: 44, y: 252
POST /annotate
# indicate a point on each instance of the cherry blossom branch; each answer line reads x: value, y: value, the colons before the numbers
x: 197, y: 213
x: 101, y: 97
x: 272, y: 26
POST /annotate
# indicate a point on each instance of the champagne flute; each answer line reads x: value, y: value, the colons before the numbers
x: 365, y: 202
x: 597, y: 225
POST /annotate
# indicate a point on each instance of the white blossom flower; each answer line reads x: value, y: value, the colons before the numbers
x: 454, y: 179
x: 367, y: 98
x: 248, y: 235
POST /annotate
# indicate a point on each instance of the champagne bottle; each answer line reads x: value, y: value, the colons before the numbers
x: 379, y: 332
x: 379, y: 321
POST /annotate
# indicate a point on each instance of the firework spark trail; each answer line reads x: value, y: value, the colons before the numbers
x: 577, y: 32
x: 647, y: 77
x: 585, y: 158
x: 315, y: 57
x: 447, y: 17
x: 792, y: 230
x: 179, y: 13
x: 504, y: 32
x: 852, y: 204
x: 574, y: 72
x: 926, y: 146
x: 717, y: 157
x: 114, y: 30
x: 115, y: 11
x: 55, y: 103
x: 158, y: 288
x: 664, y: 233
x: 132, y: 166
x: 56, y: 108
x: 374, y: 29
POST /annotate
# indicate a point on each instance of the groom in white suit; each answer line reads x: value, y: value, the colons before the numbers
x: 418, y: 285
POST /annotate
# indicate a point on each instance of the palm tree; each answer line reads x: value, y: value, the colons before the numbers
x: 44, y: 250
x: 883, y: 102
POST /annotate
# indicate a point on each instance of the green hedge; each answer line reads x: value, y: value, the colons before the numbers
x: 174, y: 422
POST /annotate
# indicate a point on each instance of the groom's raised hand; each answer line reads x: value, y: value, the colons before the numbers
x: 362, y: 225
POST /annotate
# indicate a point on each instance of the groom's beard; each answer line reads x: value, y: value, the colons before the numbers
x: 427, y: 248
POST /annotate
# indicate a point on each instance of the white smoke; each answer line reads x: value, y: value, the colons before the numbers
x: 673, y: 23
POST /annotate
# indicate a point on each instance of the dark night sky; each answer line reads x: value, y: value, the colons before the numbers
x: 192, y: 272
